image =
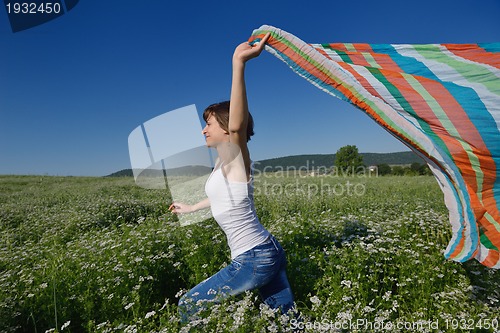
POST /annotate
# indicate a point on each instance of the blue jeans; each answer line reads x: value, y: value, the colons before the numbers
x: 262, y: 267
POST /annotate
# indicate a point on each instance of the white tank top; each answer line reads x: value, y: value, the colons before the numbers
x: 233, y: 208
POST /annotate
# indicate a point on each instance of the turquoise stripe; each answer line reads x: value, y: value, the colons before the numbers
x: 407, y: 64
x: 490, y: 47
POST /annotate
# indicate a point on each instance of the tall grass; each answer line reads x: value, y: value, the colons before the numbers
x: 103, y: 255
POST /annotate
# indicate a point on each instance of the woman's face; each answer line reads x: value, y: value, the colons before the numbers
x: 214, y: 134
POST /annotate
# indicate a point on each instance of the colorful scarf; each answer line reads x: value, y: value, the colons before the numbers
x: 441, y: 100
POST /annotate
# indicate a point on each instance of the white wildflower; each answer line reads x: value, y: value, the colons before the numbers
x: 346, y: 283
x: 101, y: 325
x: 129, y: 305
x: 164, y: 305
x: 368, y: 309
x: 266, y: 311
x: 273, y: 328
x: 315, y: 300
x: 66, y: 324
x: 150, y: 314
x: 130, y: 329
x: 344, y: 316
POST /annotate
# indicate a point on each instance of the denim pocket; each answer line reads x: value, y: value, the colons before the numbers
x: 267, y: 262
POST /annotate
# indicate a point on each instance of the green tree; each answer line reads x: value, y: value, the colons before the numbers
x: 384, y: 169
x: 421, y: 169
x: 415, y: 166
x: 348, y: 160
x: 398, y: 170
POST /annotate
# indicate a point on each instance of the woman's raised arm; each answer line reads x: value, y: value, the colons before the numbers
x: 238, y: 108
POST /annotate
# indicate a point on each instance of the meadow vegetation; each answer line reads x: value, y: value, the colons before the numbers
x: 104, y: 255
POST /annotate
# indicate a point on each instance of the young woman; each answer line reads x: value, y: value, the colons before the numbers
x: 258, y: 260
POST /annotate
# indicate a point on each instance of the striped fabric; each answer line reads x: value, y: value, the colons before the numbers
x: 441, y: 100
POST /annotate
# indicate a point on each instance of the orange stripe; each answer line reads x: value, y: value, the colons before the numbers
x: 361, y: 79
x: 475, y: 53
x: 491, y: 259
x: 459, y: 247
x: 383, y: 60
x: 358, y: 59
x: 322, y: 51
x: 338, y: 46
x: 363, y: 47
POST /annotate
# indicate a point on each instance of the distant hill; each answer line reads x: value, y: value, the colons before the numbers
x: 197, y: 170
x: 314, y: 161
x: 298, y: 161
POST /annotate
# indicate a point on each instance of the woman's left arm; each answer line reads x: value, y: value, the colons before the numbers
x: 238, y: 108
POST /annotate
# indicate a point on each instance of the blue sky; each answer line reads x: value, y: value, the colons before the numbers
x: 72, y: 90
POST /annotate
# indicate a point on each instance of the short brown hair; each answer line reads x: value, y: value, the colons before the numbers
x: 221, y: 113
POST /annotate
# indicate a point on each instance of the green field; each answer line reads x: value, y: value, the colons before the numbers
x: 104, y: 255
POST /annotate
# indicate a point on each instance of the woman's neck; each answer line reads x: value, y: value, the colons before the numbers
x: 227, y: 152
